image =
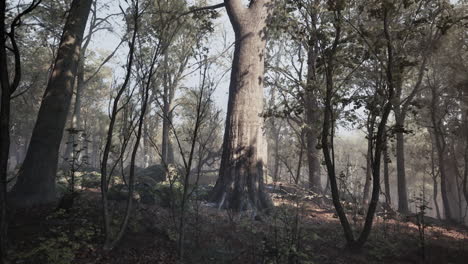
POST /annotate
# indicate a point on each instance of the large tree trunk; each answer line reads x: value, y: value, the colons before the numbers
x: 240, y: 185
x: 400, y: 158
x: 36, y: 181
x: 312, y: 112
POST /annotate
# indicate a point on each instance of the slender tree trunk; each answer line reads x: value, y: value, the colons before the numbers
x: 435, y: 194
x: 4, y: 132
x: 464, y: 103
x: 400, y: 158
x: 275, y: 125
x: 146, y: 142
x: 131, y: 178
x: 379, y: 139
x: 85, y: 159
x: 299, y: 163
x: 76, y: 115
x: 6, y: 90
x: 465, y: 174
x: 108, y: 243
x: 367, y: 183
x: 434, y: 176
x: 94, y: 152
x: 313, y: 160
x: 241, y: 181
x: 167, y: 149
x: 170, y: 85
x: 386, y: 161
x: 454, y: 183
x: 440, y: 147
x: 36, y: 181
x: 276, y: 135
x: 312, y: 112
x: 327, y: 140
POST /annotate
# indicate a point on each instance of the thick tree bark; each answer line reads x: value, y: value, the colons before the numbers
x: 36, y: 181
x: 312, y: 111
x: 241, y: 181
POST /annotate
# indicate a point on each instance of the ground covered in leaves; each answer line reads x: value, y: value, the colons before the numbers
x: 301, y: 228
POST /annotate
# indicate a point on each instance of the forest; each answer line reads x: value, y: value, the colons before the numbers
x: 233, y: 131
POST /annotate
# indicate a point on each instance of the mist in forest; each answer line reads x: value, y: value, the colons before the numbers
x: 235, y: 131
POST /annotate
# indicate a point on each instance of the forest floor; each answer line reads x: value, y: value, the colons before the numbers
x: 302, y: 228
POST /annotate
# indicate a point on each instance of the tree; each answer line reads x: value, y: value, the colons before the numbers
x: 383, y: 107
x: 96, y: 24
x: 6, y: 92
x: 445, y: 116
x: 240, y: 184
x: 407, y: 61
x: 300, y: 23
x: 311, y: 93
x: 36, y: 181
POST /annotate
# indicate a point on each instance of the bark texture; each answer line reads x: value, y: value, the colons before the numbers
x: 241, y: 181
x: 36, y: 181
